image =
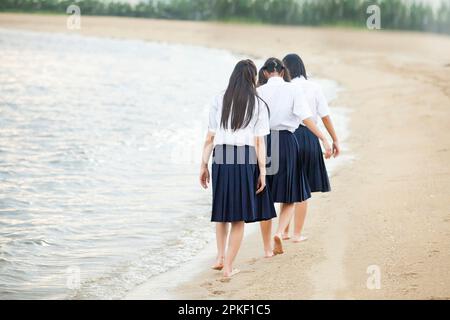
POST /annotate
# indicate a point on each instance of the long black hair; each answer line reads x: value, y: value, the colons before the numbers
x: 295, y: 65
x: 262, y: 80
x: 276, y: 65
x: 239, y: 98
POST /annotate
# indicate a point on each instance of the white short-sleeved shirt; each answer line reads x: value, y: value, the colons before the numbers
x: 258, y: 126
x: 315, y: 97
x: 287, y: 104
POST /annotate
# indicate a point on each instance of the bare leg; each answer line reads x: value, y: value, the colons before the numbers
x: 234, y: 243
x: 300, y: 215
x: 266, y: 232
x: 221, y: 239
x: 286, y: 233
x: 286, y: 212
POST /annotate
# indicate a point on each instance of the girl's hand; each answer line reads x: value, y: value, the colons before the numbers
x: 336, y: 149
x: 328, y: 151
x: 261, y: 183
x: 204, y: 176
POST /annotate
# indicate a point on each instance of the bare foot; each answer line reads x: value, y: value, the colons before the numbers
x: 218, y: 265
x: 286, y: 236
x: 298, y: 239
x: 229, y: 274
x: 278, y: 245
x: 268, y: 253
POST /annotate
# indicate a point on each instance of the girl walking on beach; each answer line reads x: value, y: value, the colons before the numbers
x: 238, y: 122
x: 310, y: 151
x: 287, y: 183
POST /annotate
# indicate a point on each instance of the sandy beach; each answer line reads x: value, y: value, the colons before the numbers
x: 390, y: 206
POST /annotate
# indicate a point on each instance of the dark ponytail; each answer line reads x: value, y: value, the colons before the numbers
x: 275, y: 65
x: 262, y: 80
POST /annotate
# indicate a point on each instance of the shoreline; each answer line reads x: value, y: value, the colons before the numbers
x: 389, y: 207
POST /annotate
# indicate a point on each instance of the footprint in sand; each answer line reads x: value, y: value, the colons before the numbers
x: 433, y: 253
x: 409, y: 275
x: 206, y: 284
x: 218, y: 292
x: 227, y: 280
x: 412, y: 288
x: 247, y: 271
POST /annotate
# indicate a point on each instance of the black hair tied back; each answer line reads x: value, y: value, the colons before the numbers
x: 273, y: 65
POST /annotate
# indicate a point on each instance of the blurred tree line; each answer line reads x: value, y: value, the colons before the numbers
x: 395, y: 14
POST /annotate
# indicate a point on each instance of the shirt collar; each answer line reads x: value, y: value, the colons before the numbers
x: 275, y: 80
x: 298, y: 79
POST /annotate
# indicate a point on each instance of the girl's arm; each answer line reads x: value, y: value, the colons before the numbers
x: 330, y: 128
x: 206, y: 154
x: 260, y: 147
x: 310, y: 124
x: 301, y: 109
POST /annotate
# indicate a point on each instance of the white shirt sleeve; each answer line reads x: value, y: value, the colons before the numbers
x: 212, y: 127
x: 262, y: 127
x: 322, y: 105
x: 301, y: 107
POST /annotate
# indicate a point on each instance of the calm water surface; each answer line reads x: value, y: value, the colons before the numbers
x: 98, y: 139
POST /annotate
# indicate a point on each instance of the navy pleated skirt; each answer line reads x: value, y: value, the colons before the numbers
x: 311, y: 157
x: 286, y: 179
x: 235, y: 174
